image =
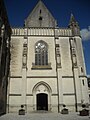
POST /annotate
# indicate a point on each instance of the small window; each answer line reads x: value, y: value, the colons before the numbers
x: 40, y: 11
x: 40, y: 18
x: 89, y: 83
x: 83, y: 82
x: 81, y: 69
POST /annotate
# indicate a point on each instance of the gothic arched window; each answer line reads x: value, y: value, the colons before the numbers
x: 41, y: 53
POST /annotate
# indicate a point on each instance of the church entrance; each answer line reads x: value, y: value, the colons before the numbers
x: 42, y: 101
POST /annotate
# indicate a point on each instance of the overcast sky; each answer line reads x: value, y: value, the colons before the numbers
x: 18, y: 10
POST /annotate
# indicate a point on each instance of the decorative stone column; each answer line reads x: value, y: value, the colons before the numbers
x: 76, y: 79
x: 24, y: 69
x: 59, y: 71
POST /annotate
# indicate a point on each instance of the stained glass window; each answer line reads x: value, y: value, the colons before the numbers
x: 41, y: 53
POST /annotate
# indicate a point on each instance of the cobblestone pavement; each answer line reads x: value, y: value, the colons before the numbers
x: 44, y: 116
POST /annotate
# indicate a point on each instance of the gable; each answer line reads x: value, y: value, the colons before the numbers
x: 40, y: 17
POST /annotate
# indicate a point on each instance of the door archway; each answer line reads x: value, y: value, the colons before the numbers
x: 42, y: 96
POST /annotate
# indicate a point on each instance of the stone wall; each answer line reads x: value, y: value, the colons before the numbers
x: 5, y: 33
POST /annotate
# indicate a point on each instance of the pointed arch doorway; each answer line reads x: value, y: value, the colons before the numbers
x: 42, y: 101
x: 42, y: 96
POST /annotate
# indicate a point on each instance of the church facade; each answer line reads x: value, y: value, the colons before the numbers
x: 47, y: 67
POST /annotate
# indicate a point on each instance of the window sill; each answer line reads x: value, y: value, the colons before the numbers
x: 41, y: 67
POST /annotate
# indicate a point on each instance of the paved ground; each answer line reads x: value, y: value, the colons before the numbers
x: 44, y: 116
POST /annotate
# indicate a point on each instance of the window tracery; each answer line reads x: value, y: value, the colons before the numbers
x: 41, y: 53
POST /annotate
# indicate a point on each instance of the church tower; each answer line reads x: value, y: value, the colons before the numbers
x: 47, y: 67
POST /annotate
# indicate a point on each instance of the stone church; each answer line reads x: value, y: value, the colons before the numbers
x: 47, y: 67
